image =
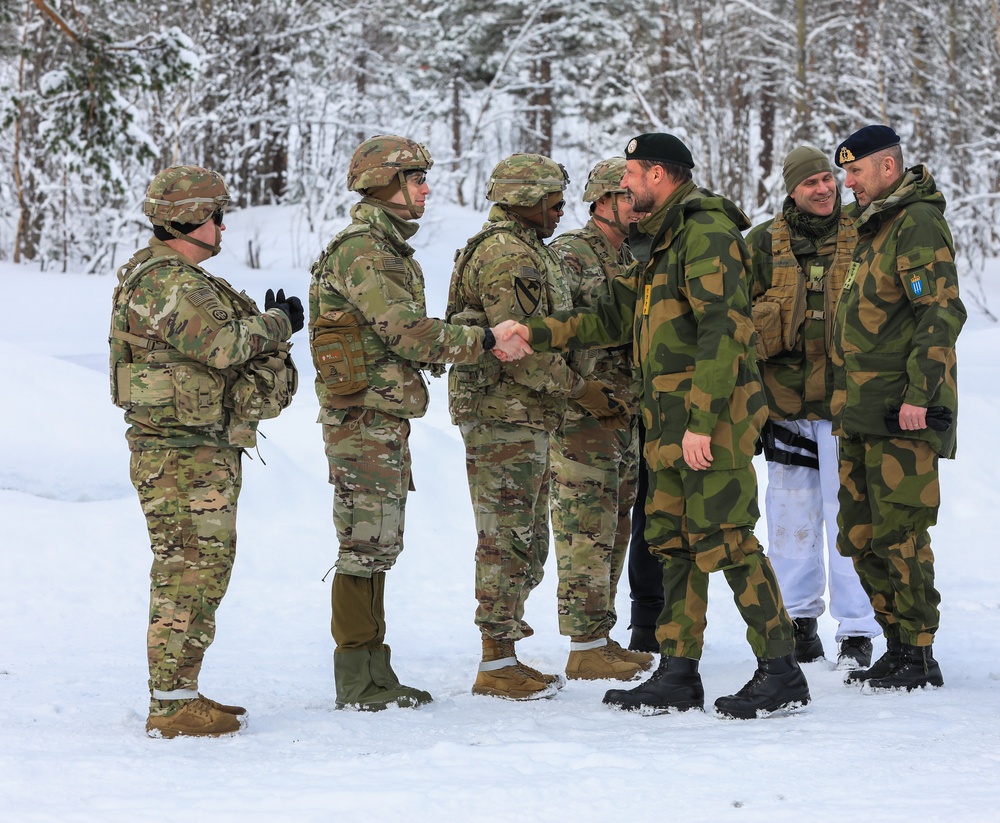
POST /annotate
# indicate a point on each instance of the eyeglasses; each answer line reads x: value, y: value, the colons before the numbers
x: 416, y: 176
x: 558, y: 206
x: 218, y: 216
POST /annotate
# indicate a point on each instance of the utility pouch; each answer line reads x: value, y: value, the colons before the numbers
x: 265, y: 386
x: 198, y: 392
x: 487, y: 370
x: 767, y: 324
x: 339, y: 354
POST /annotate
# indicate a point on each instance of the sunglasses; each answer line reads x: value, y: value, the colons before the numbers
x: 218, y: 216
x: 417, y: 177
x: 558, y: 206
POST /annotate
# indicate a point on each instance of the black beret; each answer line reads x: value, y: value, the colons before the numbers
x: 865, y: 141
x: 658, y: 146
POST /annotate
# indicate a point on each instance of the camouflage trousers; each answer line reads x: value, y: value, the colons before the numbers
x: 369, y: 458
x: 699, y: 522
x: 508, y: 469
x: 889, y: 498
x: 188, y: 496
x: 593, y: 488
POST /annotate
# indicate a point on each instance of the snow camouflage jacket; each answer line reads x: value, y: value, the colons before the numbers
x: 685, y: 305
x: 589, y: 264
x: 368, y: 275
x: 899, y: 316
x: 798, y: 280
x: 188, y: 337
x: 506, y: 271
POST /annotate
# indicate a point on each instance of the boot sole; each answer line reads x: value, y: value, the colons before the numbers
x: 542, y: 694
x: 868, y: 688
x: 170, y: 734
x: 648, y: 710
x: 791, y: 707
x: 620, y: 676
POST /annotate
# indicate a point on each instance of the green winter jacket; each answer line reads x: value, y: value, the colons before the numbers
x: 685, y: 307
x: 899, y: 316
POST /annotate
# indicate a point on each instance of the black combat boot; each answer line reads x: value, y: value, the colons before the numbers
x: 855, y: 653
x: 777, y: 684
x: 916, y: 668
x: 643, y: 639
x: 808, y: 646
x: 675, y: 685
x: 883, y: 666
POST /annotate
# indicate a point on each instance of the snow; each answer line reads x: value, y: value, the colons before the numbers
x: 75, y: 561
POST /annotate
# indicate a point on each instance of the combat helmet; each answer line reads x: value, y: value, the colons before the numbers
x: 605, y: 178
x: 524, y: 179
x: 185, y: 195
x: 384, y: 158
x: 181, y: 198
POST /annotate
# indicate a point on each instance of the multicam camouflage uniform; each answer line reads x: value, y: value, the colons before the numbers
x: 685, y: 306
x: 894, y: 342
x: 798, y: 265
x: 505, y: 413
x: 593, y: 468
x: 189, y: 338
x: 371, y: 338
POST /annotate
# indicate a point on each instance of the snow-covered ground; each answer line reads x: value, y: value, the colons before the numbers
x: 74, y: 557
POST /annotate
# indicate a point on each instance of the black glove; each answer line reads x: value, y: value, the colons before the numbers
x: 599, y: 400
x: 939, y: 418
x: 291, y: 306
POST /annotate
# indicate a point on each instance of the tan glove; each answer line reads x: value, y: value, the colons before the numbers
x: 598, y: 399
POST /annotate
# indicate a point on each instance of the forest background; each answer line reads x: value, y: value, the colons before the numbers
x: 95, y: 96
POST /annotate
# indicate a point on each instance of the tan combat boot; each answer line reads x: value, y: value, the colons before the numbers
x: 196, y: 718
x: 222, y: 707
x: 594, y: 660
x: 643, y: 659
x: 500, y: 675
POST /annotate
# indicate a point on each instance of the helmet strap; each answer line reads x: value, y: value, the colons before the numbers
x: 213, y: 250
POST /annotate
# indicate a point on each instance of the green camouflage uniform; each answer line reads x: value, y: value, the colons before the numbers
x: 895, y: 332
x: 368, y: 274
x: 506, y: 412
x: 593, y: 468
x: 189, y: 337
x: 685, y: 306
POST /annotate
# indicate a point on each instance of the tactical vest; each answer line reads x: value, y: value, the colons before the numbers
x: 179, y: 392
x: 484, y: 390
x: 354, y: 366
x: 796, y: 370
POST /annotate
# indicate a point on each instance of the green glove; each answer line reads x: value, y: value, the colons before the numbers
x: 599, y: 400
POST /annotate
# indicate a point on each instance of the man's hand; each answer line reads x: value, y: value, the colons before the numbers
x: 697, y: 450
x: 599, y: 400
x: 912, y: 418
x: 512, y: 328
x: 291, y: 306
x: 509, y: 345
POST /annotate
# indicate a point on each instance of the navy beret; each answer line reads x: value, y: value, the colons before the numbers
x: 865, y: 141
x: 658, y: 146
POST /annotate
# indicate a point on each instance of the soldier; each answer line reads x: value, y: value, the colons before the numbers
x: 195, y: 365
x: 594, y: 468
x: 799, y: 260
x: 686, y: 307
x: 371, y: 338
x: 507, y: 412
x: 895, y: 399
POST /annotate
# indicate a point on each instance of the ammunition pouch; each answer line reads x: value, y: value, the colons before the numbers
x: 767, y: 323
x: 339, y: 354
x: 484, y: 373
x: 175, y: 393
x: 265, y: 386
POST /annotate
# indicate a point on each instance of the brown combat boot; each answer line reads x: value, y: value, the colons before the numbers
x: 595, y: 660
x: 222, y: 707
x: 196, y: 718
x: 644, y: 660
x: 500, y: 675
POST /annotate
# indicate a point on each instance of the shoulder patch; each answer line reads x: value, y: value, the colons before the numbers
x: 388, y: 263
x: 206, y: 302
x: 527, y: 291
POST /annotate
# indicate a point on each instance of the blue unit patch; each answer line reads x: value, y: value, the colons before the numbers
x: 917, y: 285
